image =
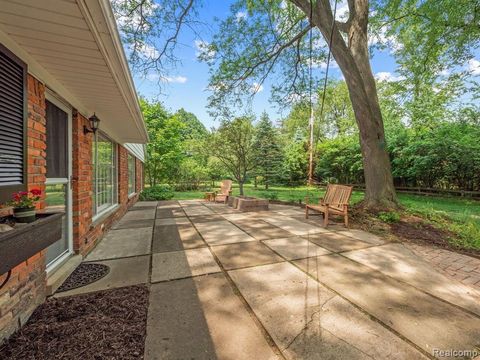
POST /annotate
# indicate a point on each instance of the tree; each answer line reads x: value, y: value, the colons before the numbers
x: 232, y: 145
x: 164, y: 150
x: 276, y: 33
x: 273, y: 37
x: 295, y: 160
x: 266, y: 151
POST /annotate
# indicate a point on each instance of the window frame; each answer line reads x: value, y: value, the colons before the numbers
x: 134, y: 163
x: 96, y: 212
x: 7, y: 190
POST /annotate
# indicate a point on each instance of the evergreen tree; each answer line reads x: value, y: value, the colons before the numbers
x: 267, y: 151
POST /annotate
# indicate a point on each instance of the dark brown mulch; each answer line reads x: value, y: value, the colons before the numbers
x: 84, y: 274
x: 414, y: 229
x: 103, y: 325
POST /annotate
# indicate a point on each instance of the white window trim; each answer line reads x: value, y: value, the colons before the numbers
x: 98, y: 214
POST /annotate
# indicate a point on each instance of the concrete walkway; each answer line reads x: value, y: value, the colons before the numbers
x: 272, y: 285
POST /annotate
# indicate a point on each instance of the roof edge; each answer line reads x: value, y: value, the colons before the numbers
x: 99, y: 17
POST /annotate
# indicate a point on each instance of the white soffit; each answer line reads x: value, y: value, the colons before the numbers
x: 136, y: 150
x: 73, y: 47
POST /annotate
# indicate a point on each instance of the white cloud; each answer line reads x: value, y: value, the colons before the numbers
x: 155, y: 77
x: 474, y: 66
x: 381, y: 38
x: 241, y: 15
x: 323, y: 64
x: 175, y: 79
x: 388, y: 76
x: 342, y: 11
x: 204, y: 50
x: 148, y: 51
x: 256, y: 88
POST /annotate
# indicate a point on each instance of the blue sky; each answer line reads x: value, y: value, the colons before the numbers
x: 186, y: 86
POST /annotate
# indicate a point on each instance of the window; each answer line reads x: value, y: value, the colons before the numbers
x: 131, y: 174
x: 104, y: 176
x: 13, y: 115
x: 57, y: 142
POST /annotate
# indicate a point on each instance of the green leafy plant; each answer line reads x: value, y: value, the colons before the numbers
x: 158, y: 192
x: 389, y: 217
x: 270, y: 195
x: 25, y: 199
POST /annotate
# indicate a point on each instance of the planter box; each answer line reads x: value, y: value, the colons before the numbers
x: 246, y: 203
x: 25, y: 240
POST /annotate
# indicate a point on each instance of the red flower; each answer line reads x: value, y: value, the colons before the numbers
x: 36, y: 192
x: 23, y: 193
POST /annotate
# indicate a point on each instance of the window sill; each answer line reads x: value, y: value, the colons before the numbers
x: 99, y: 218
x: 131, y: 195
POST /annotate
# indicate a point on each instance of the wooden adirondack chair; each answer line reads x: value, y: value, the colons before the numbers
x: 335, y: 202
x: 225, y: 191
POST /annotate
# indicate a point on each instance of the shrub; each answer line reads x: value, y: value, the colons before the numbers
x: 389, y: 217
x: 158, y: 192
x: 270, y: 195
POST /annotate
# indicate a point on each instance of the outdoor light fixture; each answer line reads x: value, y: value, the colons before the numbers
x: 94, y: 122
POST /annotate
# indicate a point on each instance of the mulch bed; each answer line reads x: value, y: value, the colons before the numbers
x: 103, y: 325
x: 84, y: 274
x: 414, y: 229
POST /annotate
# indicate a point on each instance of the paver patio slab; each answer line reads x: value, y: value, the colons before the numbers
x: 130, y: 224
x: 235, y: 256
x: 123, y: 243
x: 170, y: 213
x: 182, y: 264
x: 176, y: 324
x: 363, y: 236
x: 173, y: 221
x: 218, y: 208
x: 201, y: 318
x: 145, y: 204
x: 237, y: 216
x: 292, y: 225
x: 295, y: 248
x: 424, y: 320
x: 206, y: 218
x: 168, y: 205
x: 336, y: 241
x: 307, y: 321
x: 222, y: 232
x: 197, y: 210
x: 261, y: 230
x: 175, y: 237
x: 123, y: 272
x: 397, y: 261
x: 293, y: 211
x: 188, y: 203
x: 140, y: 215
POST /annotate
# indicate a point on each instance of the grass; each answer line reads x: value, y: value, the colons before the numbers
x: 460, y: 216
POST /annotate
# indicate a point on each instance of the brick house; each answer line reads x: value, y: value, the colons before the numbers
x: 62, y: 61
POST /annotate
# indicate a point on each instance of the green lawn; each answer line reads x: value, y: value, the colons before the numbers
x: 461, y: 216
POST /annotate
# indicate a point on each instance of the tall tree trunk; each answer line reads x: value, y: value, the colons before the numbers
x: 354, y: 62
x: 240, y: 186
x: 255, y: 181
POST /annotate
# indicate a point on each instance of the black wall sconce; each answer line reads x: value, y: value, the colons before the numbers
x: 94, y: 122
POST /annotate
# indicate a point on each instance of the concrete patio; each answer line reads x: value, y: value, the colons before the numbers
x: 272, y: 285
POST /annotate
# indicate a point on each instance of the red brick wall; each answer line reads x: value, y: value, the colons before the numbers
x: 122, y: 175
x: 26, y: 288
x: 36, y: 135
x: 86, y: 232
x: 82, y: 181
